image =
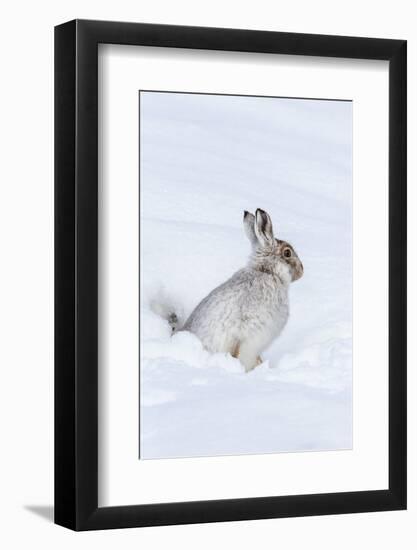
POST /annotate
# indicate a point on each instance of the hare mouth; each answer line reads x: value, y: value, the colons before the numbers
x: 298, y: 272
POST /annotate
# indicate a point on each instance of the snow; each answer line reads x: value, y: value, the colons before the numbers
x: 204, y: 160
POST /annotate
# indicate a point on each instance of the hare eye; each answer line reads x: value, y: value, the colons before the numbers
x: 287, y: 253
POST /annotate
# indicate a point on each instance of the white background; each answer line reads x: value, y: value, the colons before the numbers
x: 122, y: 478
x: 26, y: 300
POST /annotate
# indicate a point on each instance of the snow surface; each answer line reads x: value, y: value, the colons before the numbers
x: 204, y: 160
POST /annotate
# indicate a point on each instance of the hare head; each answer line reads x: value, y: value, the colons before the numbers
x: 270, y: 255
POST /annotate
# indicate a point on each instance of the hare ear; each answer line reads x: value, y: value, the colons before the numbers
x: 249, y: 226
x: 263, y: 228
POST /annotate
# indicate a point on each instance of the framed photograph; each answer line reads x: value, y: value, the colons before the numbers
x: 230, y: 254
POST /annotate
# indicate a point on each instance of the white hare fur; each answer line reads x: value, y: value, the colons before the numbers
x: 246, y: 313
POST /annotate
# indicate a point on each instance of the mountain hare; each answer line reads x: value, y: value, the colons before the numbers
x: 246, y: 313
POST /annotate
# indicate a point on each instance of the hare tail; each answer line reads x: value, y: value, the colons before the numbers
x: 173, y: 321
x: 165, y: 307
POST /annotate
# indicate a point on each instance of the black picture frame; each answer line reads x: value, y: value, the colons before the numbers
x: 76, y: 272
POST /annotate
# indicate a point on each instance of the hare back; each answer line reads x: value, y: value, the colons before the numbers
x: 251, y: 305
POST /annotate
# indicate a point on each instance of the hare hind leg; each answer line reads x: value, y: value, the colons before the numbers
x: 234, y: 352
